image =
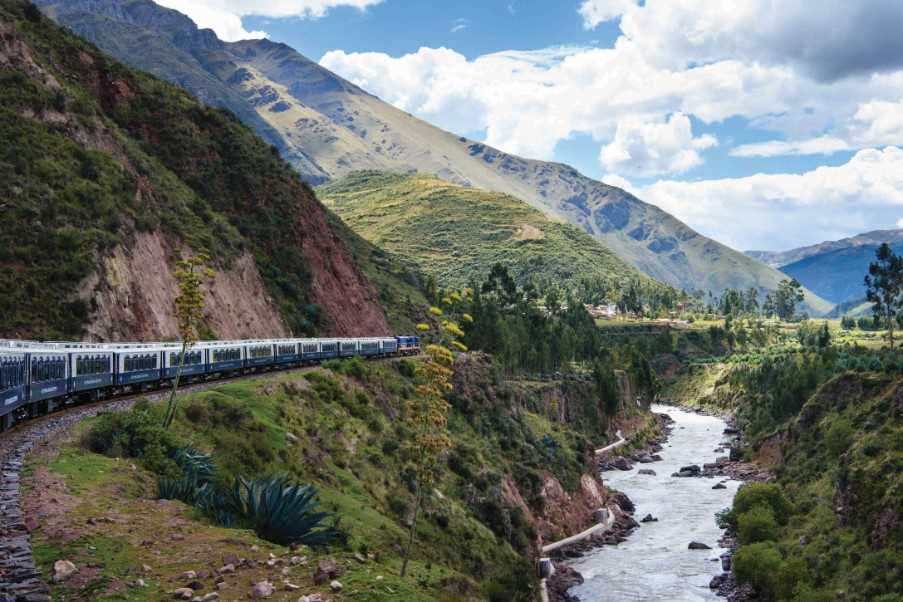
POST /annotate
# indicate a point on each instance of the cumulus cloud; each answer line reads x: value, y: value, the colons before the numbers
x: 830, y: 41
x: 780, y: 211
x: 649, y: 149
x: 224, y: 16
x: 595, y: 12
x: 538, y: 98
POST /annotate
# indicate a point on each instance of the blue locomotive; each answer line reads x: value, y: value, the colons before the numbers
x: 36, y: 378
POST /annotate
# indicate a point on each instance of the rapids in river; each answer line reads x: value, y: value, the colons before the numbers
x: 654, y: 563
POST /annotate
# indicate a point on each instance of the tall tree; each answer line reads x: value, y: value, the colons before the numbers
x: 884, y: 286
x: 788, y: 295
x: 191, y: 274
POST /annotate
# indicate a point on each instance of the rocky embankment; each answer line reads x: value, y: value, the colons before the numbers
x: 624, y: 524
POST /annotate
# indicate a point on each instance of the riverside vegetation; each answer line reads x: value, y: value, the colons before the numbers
x: 824, y: 414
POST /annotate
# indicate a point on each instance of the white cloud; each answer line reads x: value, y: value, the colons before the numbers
x: 780, y: 211
x: 879, y: 122
x: 595, y: 12
x: 823, y: 145
x: 459, y: 25
x: 224, y: 16
x: 649, y: 149
x: 833, y: 40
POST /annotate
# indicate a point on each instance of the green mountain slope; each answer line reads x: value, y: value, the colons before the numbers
x: 836, y: 275
x: 109, y: 175
x: 341, y: 128
x: 458, y: 233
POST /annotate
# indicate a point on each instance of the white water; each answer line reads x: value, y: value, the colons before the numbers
x: 654, y: 563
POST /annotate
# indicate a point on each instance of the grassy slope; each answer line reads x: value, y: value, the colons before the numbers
x: 847, y: 488
x: 457, y: 233
x: 398, y: 286
x: 470, y: 540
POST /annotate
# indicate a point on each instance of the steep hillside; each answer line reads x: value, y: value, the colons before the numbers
x: 109, y: 175
x: 782, y: 258
x: 836, y: 275
x: 458, y: 233
x: 520, y: 473
x: 342, y: 128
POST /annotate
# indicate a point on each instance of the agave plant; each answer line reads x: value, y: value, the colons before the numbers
x: 280, y: 511
x: 195, y: 464
x: 185, y: 489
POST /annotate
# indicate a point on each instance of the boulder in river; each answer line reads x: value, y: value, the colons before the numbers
x: 647, y: 471
x: 648, y: 519
x: 719, y: 486
x: 621, y: 463
x: 696, y: 545
x: 692, y: 470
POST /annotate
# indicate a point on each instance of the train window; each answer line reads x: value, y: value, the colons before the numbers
x: 310, y: 348
x: 260, y: 351
x: 286, y: 349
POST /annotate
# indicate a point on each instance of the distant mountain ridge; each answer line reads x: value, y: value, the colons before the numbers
x: 837, y: 275
x: 778, y: 259
x: 327, y: 127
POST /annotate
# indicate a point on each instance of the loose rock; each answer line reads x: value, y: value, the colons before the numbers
x: 62, y: 570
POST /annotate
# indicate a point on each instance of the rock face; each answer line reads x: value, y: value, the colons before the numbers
x: 282, y: 264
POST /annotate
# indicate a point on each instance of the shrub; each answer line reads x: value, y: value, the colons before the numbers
x: 763, y: 494
x: 839, y: 437
x: 135, y: 434
x: 757, y: 524
x: 758, y: 564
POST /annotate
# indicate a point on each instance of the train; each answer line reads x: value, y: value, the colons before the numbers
x: 39, y: 377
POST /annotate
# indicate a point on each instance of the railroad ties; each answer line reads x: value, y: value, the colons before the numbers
x: 19, y: 577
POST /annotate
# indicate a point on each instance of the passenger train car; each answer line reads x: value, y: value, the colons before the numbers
x: 36, y: 378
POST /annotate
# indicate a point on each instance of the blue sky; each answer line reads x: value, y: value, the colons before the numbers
x: 731, y: 115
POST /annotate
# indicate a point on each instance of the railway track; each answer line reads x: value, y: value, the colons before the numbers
x: 20, y: 579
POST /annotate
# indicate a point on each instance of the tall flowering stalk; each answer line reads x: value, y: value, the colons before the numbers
x: 426, y: 412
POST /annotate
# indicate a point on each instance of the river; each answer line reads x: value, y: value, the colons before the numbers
x: 654, y: 563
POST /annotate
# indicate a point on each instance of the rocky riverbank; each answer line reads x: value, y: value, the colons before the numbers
x: 566, y: 577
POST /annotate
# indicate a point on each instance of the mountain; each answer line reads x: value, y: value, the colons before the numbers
x: 329, y: 128
x: 458, y: 233
x: 778, y: 259
x: 108, y: 176
x: 837, y: 275
x: 833, y: 269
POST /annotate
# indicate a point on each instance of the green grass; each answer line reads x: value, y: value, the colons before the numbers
x: 458, y: 233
